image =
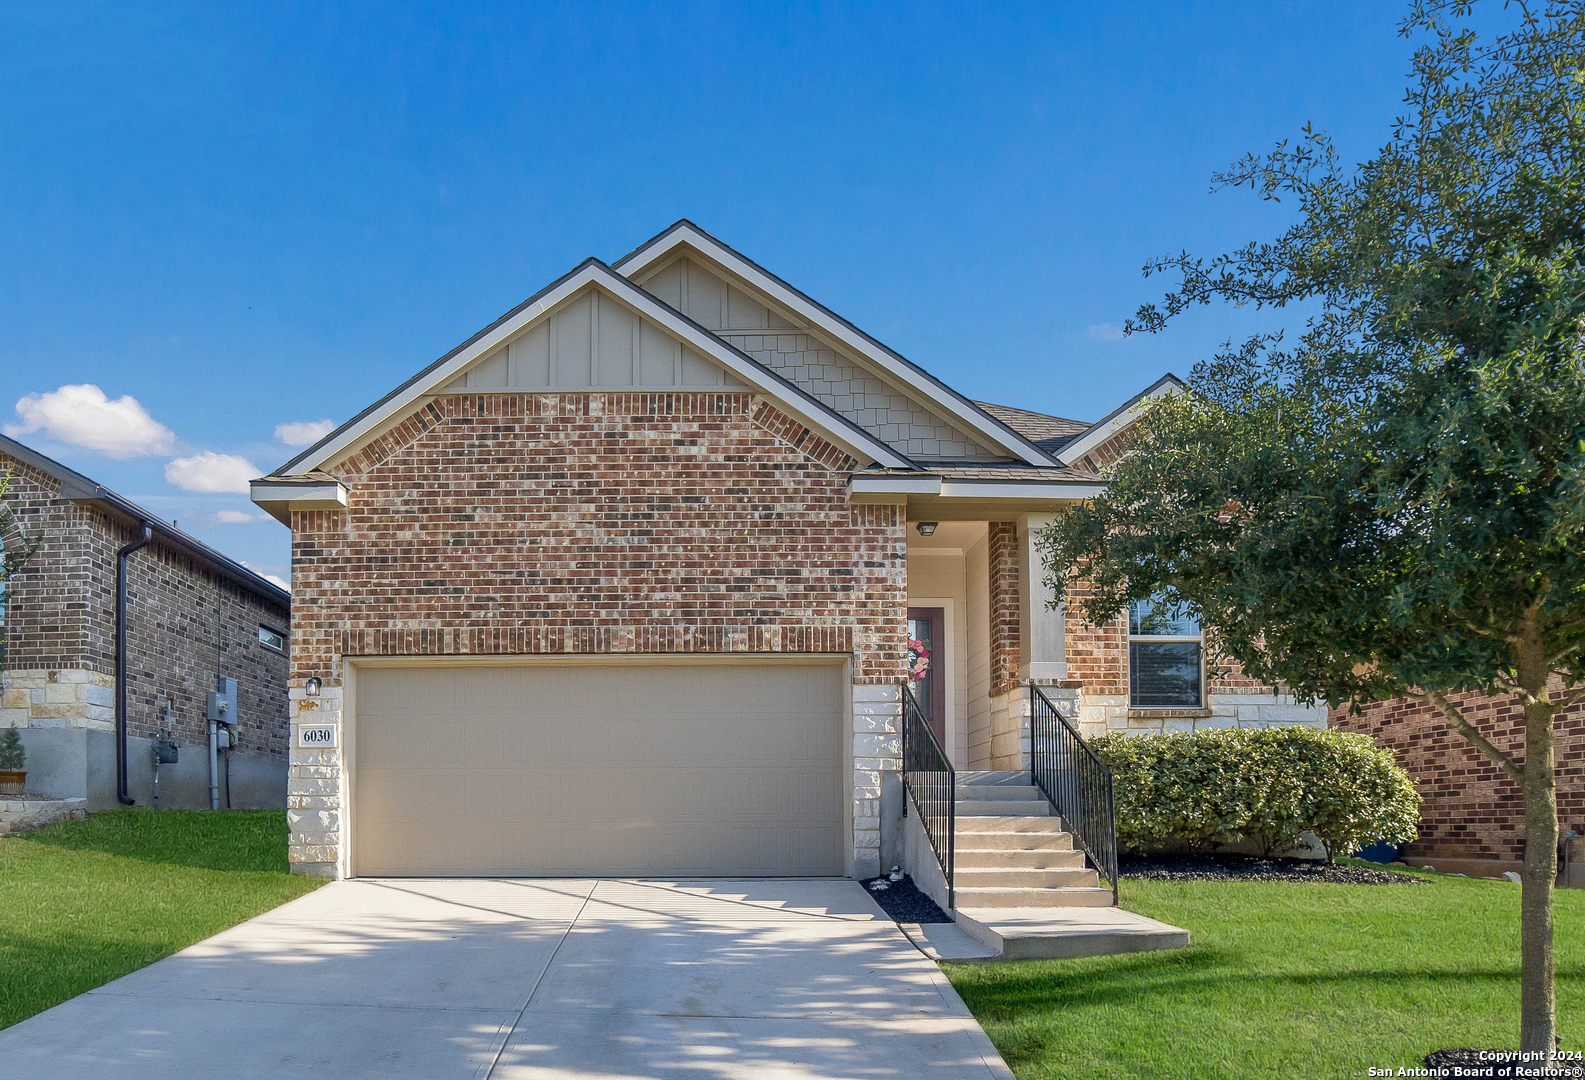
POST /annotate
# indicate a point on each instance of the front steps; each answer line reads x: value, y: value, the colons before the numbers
x: 1023, y: 891
x: 1011, y: 852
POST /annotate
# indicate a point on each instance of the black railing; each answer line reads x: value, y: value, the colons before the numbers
x: 1077, y: 783
x: 928, y: 777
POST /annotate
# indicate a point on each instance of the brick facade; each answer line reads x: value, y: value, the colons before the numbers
x: 186, y: 624
x: 512, y: 524
x: 1471, y: 810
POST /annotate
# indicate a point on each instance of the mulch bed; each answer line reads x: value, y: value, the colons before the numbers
x: 903, y: 901
x: 1227, y: 867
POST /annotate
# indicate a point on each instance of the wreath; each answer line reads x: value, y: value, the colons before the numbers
x: 918, y: 659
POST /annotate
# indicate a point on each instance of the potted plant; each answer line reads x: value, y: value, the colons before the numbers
x: 12, y: 758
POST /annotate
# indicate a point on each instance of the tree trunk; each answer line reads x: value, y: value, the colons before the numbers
x: 1538, y: 1001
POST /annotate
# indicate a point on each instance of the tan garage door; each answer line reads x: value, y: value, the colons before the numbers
x: 600, y: 769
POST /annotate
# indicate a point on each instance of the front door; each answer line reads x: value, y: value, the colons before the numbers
x: 927, y: 659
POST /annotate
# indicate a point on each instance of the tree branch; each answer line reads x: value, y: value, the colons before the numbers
x: 1466, y: 729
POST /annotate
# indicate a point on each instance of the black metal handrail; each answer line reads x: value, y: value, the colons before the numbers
x: 928, y: 777
x: 1077, y: 783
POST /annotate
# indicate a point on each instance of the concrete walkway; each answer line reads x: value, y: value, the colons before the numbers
x: 510, y: 979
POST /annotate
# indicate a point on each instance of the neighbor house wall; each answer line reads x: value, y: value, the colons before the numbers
x: 516, y: 524
x: 185, y: 625
x: 1472, y: 813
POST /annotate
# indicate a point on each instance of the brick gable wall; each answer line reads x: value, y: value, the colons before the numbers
x: 524, y: 523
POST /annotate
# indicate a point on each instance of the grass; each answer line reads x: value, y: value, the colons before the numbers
x: 1282, y: 980
x: 85, y: 902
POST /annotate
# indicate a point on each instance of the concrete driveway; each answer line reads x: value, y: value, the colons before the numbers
x: 512, y: 979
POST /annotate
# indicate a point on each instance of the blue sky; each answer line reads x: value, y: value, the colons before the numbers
x: 243, y: 216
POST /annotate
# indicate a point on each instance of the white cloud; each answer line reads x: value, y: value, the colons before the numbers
x: 209, y: 472
x: 273, y: 580
x: 304, y: 432
x: 234, y: 517
x: 83, y: 416
x: 1106, y: 332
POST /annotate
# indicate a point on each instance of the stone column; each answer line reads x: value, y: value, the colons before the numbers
x: 314, y: 788
x: 877, y: 756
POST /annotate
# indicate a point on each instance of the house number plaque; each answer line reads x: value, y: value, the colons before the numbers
x: 316, y: 736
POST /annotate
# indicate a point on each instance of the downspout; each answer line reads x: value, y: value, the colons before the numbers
x: 121, y: 662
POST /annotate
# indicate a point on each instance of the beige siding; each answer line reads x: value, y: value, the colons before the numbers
x: 601, y: 769
x: 594, y: 342
x: 977, y: 582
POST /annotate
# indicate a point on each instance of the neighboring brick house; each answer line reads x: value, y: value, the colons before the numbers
x: 624, y: 584
x: 192, y: 614
x: 1472, y: 817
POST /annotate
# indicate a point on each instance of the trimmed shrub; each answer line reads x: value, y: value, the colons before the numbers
x: 1266, y: 785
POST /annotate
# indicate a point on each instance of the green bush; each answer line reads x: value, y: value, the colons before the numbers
x: 1266, y: 785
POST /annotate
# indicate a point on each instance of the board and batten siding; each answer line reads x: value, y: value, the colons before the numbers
x: 594, y: 342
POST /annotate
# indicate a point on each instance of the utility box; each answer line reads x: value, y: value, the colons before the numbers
x: 223, y: 701
x: 165, y: 751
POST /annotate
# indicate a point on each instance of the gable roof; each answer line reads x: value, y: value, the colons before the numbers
x: 803, y: 406
x: 78, y: 488
x: 686, y: 235
x: 1120, y: 418
x: 1047, y: 432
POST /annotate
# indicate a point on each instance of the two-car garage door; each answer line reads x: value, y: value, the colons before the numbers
x: 660, y: 769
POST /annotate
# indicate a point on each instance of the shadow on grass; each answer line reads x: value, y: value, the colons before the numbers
x: 249, y: 840
x: 1014, y: 995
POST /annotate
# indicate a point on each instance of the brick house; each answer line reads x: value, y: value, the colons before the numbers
x: 624, y: 584
x: 191, y: 614
x: 1472, y: 817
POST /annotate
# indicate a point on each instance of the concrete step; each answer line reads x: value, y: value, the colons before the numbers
x: 1024, y: 877
x: 1005, y: 897
x: 1005, y: 858
x: 1007, y: 823
x: 1037, y: 933
x: 1002, y: 793
x: 1009, y: 841
x: 980, y: 778
x: 1009, y: 807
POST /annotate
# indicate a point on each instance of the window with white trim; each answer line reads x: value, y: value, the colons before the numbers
x: 273, y: 638
x: 1165, y: 658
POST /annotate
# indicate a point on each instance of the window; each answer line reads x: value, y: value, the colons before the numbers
x: 273, y: 638
x: 1164, y: 653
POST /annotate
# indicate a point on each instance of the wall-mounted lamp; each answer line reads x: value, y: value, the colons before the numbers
x: 311, y: 687
x: 926, y: 528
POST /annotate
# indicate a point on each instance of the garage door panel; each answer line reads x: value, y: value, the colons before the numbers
x: 617, y: 770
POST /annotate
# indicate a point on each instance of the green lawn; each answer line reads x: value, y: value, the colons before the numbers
x: 1282, y: 980
x: 84, y: 902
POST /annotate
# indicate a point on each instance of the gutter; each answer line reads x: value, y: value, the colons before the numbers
x: 121, y: 660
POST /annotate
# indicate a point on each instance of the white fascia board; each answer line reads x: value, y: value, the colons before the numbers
x: 280, y: 498
x: 1031, y: 490
x: 906, y: 374
x: 895, y: 485
x: 807, y: 410
x: 1119, y: 419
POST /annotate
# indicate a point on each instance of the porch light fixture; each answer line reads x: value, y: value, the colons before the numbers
x: 926, y: 528
x: 311, y: 687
